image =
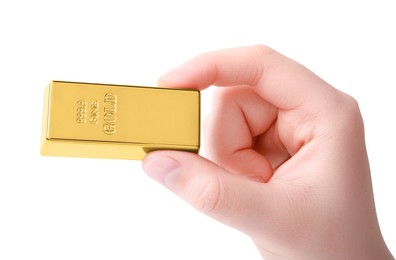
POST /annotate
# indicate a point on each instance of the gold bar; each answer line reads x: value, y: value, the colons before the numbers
x: 118, y: 122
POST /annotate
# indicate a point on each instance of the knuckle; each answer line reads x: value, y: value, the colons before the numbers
x: 352, y: 103
x: 222, y: 96
x: 351, y: 110
x: 263, y: 50
x: 207, y: 195
x: 226, y: 98
x: 355, y: 120
x: 344, y: 110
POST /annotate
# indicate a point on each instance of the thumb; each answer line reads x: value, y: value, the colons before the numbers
x: 233, y: 200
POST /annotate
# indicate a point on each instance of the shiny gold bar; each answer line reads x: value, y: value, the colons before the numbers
x: 118, y: 122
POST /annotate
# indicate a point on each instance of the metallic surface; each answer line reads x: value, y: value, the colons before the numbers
x: 119, y: 122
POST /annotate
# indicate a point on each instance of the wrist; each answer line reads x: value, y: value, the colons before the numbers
x: 374, y: 249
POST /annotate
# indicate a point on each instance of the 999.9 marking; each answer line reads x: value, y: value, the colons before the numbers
x: 81, y: 112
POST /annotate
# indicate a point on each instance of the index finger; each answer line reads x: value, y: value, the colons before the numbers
x: 279, y: 80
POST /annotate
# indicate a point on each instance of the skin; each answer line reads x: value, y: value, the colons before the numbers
x: 287, y: 159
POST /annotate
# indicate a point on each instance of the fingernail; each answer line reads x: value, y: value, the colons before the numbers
x: 170, y: 74
x: 163, y: 169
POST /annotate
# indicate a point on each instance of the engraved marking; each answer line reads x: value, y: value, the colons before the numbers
x: 94, y: 112
x: 109, y: 117
x: 81, y: 112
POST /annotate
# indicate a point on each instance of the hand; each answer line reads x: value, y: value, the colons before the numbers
x: 288, y: 163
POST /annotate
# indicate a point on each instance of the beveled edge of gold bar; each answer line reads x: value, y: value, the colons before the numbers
x: 109, y: 150
x: 45, y: 117
x: 123, y: 85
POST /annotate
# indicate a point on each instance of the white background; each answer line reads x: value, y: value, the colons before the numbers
x: 66, y: 208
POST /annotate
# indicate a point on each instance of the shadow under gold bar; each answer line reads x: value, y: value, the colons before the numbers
x: 118, y: 122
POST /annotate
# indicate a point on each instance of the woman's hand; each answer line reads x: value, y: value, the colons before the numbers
x: 288, y: 163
